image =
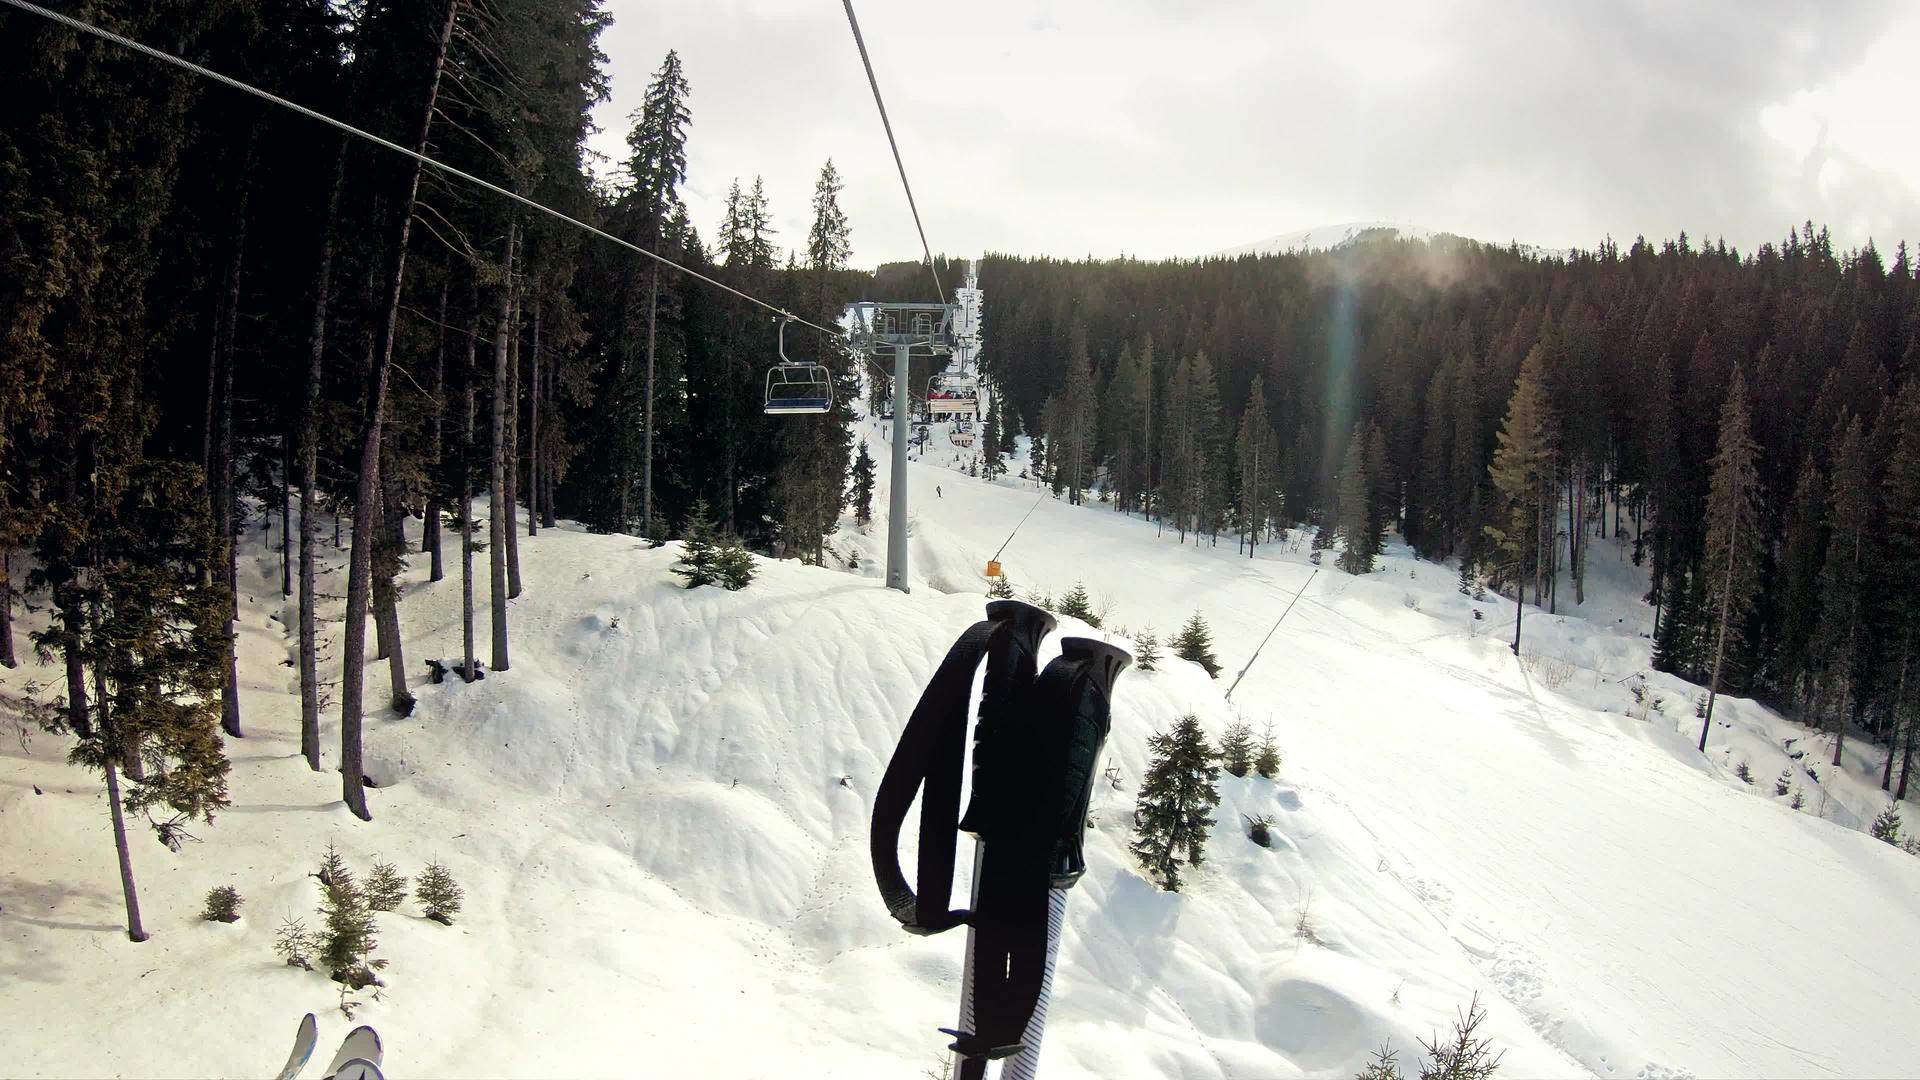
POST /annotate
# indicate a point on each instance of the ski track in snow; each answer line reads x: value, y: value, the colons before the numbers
x: 664, y: 822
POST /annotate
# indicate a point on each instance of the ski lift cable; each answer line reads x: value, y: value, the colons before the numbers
x: 228, y: 80
x: 867, y: 62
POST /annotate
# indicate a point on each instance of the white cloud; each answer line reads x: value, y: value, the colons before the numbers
x: 1159, y: 127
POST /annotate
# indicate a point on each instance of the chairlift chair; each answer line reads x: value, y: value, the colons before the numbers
x: 797, y: 389
x: 953, y: 395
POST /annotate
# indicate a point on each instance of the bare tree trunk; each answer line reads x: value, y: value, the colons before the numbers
x: 309, y: 479
x: 135, y: 932
x: 646, y: 473
x: 360, y: 558
x: 1720, y: 638
x: 6, y: 609
x: 224, y: 485
x: 533, y: 430
x: 497, y: 486
x: 1899, y: 714
x: 1906, y: 761
x: 386, y: 611
x: 512, y: 451
x: 310, y: 435
x: 436, y: 501
x: 550, y: 456
x: 467, y: 669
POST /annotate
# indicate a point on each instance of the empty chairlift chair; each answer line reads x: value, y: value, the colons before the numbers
x: 797, y: 389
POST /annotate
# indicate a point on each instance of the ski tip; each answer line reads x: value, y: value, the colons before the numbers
x: 358, y: 1069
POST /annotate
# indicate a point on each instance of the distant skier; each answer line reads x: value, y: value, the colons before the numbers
x: 936, y: 491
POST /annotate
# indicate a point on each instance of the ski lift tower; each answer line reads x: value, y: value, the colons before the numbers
x: 903, y: 330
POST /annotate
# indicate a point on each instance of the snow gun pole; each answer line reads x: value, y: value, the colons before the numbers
x: 897, y: 497
x: 1269, y: 637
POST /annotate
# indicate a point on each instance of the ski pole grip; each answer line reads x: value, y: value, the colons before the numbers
x: 1098, y: 665
x: 1000, y: 737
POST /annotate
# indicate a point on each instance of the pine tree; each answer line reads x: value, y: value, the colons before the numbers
x: 1266, y: 760
x: 1258, y: 451
x: 1236, y: 748
x: 347, y: 935
x: 1803, y: 552
x: 1075, y: 602
x: 386, y: 887
x: 1730, y: 576
x: 1146, y: 650
x: 1523, y: 476
x: 1843, y: 582
x: 863, y: 487
x: 1469, y: 575
x: 1177, y: 797
x: 657, y: 165
x: 1886, y: 827
x: 223, y: 905
x: 1900, y: 495
x: 1356, y: 507
x: 1383, y: 500
x: 438, y: 893
x: 710, y: 558
x: 1195, y: 644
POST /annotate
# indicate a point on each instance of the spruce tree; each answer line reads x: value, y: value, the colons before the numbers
x: 1258, y: 452
x: 1266, y: 760
x: 1076, y: 603
x: 347, y: 934
x: 863, y: 487
x: 1735, y: 545
x: 1146, y: 650
x: 1195, y: 643
x: 1177, y: 797
x: 1383, y: 505
x: 1886, y: 827
x: 1236, y: 748
x: 1843, y: 583
x: 1523, y: 476
x: 1356, y: 507
x: 710, y: 558
x: 438, y: 893
x: 1900, y: 495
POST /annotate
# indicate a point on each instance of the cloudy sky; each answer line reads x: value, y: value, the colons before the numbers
x: 1180, y: 127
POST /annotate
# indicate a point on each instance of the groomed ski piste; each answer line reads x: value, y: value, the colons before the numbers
x: 659, y: 816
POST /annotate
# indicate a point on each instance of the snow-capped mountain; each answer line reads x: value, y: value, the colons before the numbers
x: 1347, y: 234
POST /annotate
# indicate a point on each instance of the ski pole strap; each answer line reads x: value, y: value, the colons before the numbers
x: 930, y: 752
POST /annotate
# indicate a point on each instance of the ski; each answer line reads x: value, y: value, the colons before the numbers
x: 359, y: 1069
x: 360, y: 1048
x: 303, y: 1041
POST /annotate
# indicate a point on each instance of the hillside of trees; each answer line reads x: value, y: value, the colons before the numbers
x: 217, y: 315
x: 1750, y: 424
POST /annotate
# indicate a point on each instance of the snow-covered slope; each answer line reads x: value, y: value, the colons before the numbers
x: 1347, y: 234
x: 659, y: 815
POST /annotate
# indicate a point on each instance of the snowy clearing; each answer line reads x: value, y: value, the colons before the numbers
x: 659, y: 817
